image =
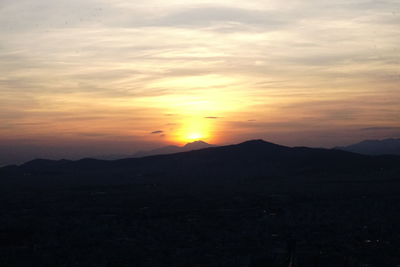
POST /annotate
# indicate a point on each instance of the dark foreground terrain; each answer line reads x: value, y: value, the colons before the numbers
x: 252, y: 204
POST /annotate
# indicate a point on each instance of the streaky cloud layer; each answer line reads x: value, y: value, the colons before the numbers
x: 294, y: 72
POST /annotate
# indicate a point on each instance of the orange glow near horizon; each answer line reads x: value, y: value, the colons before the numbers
x: 195, y: 70
x: 193, y: 129
x: 195, y: 116
x: 194, y: 136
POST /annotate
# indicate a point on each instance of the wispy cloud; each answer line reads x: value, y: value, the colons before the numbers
x: 119, y: 68
x: 380, y: 129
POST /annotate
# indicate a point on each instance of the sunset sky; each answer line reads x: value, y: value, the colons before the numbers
x: 94, y: 77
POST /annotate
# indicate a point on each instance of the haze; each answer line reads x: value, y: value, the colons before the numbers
x: 87, y: 77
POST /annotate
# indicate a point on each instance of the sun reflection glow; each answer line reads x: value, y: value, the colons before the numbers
x: 193, y: 129
x: 195, y: 116
x: 194, y: 136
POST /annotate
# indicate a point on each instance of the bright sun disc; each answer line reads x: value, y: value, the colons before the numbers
x: 192, y: 129
x: 194, y: 136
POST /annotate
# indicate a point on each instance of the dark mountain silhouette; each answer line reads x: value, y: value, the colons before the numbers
x: 173, y: 149
x: 248, y: 160
x: 251, y: 204
x: 375, y: 147
x: 158, y: 151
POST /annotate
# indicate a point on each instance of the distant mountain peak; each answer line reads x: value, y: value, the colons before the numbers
x: 259, y: 142
x: 196, y: 144
x: 255, y: 141
x: 173, y: 149
x: 389, y: 146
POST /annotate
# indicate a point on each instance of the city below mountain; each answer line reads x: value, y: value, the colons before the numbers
x: 247, y: 205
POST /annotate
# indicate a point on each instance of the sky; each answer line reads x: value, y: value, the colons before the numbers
x: 93, y: 77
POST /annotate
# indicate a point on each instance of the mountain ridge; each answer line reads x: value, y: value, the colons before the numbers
x: 253, y: 158
x: 173, y: 149
x: 390, y: 146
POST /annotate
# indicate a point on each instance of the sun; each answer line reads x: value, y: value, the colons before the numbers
x: 192, y: 129
x: 194, y: 136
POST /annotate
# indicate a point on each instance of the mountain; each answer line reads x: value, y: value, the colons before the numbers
x: 224, y: 165
x: 375, y: 147
x: 251, y: 204
x: 173, y: 149
x: 158, y: 151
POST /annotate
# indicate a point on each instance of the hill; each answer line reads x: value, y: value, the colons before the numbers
x: 255, y: 159
x: 375, y: 147
x: 173, y: 149
x: 251, y: 204
x: 159, y: 151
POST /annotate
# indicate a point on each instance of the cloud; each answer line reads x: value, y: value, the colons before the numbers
x: 119, y: 67
x: 209, y: 16
x: 92, y: 134
x: 387, y: 128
